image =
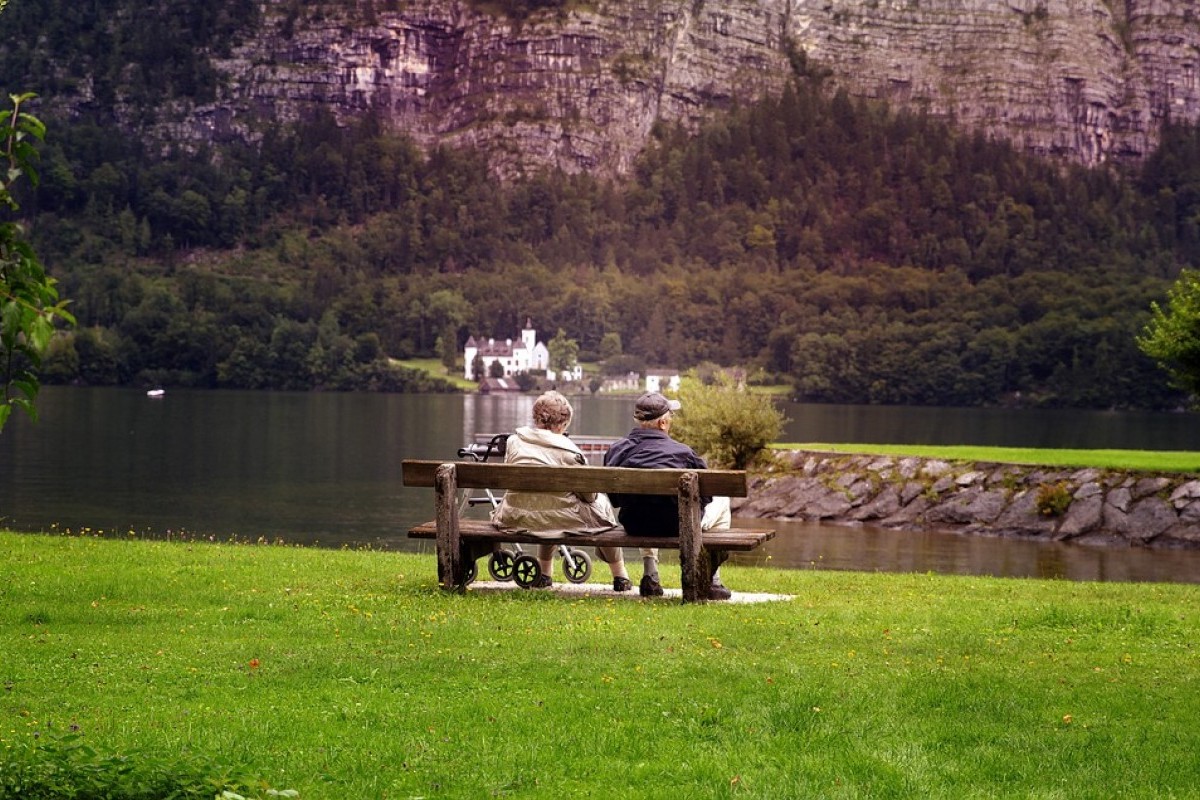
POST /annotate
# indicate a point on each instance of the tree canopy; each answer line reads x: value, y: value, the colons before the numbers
x: 860, y: 254
x: 1172, y: 337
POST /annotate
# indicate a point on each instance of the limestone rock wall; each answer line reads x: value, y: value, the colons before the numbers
x: 1083, y: 80
x: 581, y: 90
x: 1087, y: 505
x: 1050, y: 75
x: 1086, y: 80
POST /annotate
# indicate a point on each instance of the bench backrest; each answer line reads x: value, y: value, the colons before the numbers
x: 623, y: 480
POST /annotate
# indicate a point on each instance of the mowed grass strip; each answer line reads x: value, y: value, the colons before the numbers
x: 349, y: 674
x: 1137, y: 460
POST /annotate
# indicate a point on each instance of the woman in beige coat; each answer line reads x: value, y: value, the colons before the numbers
x: 546, y: 442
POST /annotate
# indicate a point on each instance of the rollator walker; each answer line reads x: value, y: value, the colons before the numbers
x: 511, y: 563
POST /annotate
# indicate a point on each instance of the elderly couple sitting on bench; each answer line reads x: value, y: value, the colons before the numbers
x: 648, y: 446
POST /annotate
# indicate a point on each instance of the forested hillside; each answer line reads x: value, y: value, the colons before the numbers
x: 860, y: 254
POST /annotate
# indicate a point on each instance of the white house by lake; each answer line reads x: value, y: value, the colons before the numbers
x: 662, y: 381
x: 526, y: 354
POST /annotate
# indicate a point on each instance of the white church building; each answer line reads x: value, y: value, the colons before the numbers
x: 523, y: 355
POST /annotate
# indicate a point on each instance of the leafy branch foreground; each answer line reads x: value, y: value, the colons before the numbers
x: 29, y: 302
x: 348, y: 674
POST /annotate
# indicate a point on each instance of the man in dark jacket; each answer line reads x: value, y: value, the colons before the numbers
x: 650, y: 446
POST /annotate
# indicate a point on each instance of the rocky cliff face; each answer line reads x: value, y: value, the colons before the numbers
x: 577, y: 90
x: 1084, y: 80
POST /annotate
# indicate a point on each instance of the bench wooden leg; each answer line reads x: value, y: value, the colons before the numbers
x: 693, y: 558
x: 451, y: 565
x: 469, y: 555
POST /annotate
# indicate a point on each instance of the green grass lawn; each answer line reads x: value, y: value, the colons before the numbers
x: 437, y: 369
x: 349, y: 674
x: 1152, y: 460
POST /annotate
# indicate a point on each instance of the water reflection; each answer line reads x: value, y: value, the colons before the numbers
x: 496, y: 413
x: 325, y: 469
x: 810, y: 545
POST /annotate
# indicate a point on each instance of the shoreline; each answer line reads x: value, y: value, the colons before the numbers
x: 1084, y: 505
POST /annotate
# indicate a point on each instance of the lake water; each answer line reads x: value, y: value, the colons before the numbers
x: 324, y: 469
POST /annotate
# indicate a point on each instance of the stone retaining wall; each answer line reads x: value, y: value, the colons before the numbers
x: 1085, y: 505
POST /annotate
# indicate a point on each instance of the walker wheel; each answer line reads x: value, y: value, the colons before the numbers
x: 577, y: 566
x: 525, y: 571
x: 501, y: 564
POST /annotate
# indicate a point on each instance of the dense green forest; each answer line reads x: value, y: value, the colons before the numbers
x: 857, y: 252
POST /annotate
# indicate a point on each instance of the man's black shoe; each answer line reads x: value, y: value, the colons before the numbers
x: 650, y: 587
x: 542, y: 581
x: 718, y: 591
x: 622, y: 584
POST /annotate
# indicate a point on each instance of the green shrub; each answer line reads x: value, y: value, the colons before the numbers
x: 726, y: 424
x: 66, y: 767
x: 1053, y: 499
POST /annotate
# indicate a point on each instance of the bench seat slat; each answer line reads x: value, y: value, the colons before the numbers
x: 477, y: 475
x: 732, y: 539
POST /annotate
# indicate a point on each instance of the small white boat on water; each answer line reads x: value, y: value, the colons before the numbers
x: 156, y: 393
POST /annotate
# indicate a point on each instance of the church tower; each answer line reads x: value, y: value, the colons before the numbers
x: 529, y: 335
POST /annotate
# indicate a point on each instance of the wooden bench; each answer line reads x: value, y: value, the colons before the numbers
x: 461, y: 541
